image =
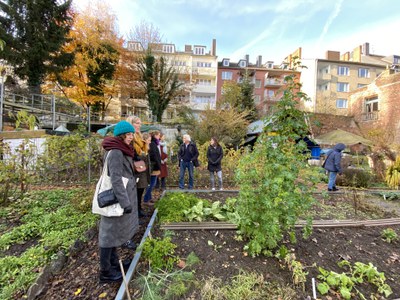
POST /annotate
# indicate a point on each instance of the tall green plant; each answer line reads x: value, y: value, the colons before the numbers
x: 276, y: 183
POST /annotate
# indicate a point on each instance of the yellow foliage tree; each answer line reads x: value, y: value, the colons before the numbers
x: 95, y: 41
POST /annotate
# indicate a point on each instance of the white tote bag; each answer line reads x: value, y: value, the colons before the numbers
x: 104, y: 184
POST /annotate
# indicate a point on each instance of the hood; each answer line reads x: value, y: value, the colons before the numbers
x: 339, y: 147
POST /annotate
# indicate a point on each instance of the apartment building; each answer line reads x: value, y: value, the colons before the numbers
x: 268, y: 79
x: 329, y: 81
x: 197, y: 68
x: 376, y: 107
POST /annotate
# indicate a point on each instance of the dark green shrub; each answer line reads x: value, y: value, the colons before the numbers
x: 356, y: 178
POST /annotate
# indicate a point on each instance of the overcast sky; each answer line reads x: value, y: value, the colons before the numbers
x: 271, y: 28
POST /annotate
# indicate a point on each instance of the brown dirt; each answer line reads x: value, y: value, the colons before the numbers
x: 323, y: 249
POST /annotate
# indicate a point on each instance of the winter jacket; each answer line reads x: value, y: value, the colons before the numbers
x: 164, y: 168
x: 332, y: 162
x: 114, y: 231
x: 192, y: 154
x: 155, y: 156
x: 214, y: 156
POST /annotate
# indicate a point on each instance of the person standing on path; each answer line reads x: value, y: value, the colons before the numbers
x: 188, y: 159
x: 332, y: 165
x: 115, y: 231
x: 214, y: 157
x: 141, y: 149
x: 161, y: 181
x: 155, y: 166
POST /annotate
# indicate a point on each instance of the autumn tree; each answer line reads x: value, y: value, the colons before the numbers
x: 96, y: 45
x: 34, y: 32
x: 239, y: 96
x: 227, y: 125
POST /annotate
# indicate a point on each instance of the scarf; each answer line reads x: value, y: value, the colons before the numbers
x: 139, y: 145
x: 112, y: 143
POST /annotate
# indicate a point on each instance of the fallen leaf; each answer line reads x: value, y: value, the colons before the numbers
x: 315, y: 240
x: 181, y: 264
x: 103, y: 295
x: 77, y: 292
x: 320, y: 254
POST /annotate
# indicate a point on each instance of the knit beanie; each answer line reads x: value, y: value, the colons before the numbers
x: 123, y: 127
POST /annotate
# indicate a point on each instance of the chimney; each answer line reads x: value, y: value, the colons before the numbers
x: 188, y: 48
x: 365, y: 48
x: 247, y: 59
x: 259, y: 61
x: 214, y: 47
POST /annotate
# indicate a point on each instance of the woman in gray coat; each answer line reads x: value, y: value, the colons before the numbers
x: 115, y: 231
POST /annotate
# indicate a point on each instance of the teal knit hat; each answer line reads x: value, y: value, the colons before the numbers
x: 123, y: 127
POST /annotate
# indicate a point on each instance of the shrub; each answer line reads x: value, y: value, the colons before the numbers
x: 171, y: 207
x: 160, y: 253
x: 355, y: 178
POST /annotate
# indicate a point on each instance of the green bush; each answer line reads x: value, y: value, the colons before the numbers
x: 355, y: 178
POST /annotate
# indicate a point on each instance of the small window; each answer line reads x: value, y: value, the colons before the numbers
x: 341, y: 103
x: 199, y: 50
x: 225, y: 62
x: 257, y: 99
x: 372, y: 105
x: 343, y: 71
x: 360, y: 85
x: 342, y: 87
x: 363, y: 73
x: 257, y: 84
x: 242, y: 63
x: 226, y: 75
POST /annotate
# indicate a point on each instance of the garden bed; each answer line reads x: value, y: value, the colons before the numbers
x: 222, y: 256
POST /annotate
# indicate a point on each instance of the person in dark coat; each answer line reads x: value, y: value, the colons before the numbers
x: 214, y: 157
x: 115, y: 231
x: 155, y: 169
x: 162, y: 178
x: 188, y: 159
x: 332, y: 165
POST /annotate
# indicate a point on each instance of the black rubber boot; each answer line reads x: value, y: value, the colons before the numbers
x: 111, y: 275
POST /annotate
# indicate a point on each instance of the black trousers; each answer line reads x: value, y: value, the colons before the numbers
x: 108, y: 258
x: 140, y: 192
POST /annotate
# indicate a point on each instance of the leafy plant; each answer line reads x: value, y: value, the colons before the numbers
x: 346, y: 281
x: 392, y: 176
x: 50, y: 221
x: 276, y: 183
x: 171, y: 207
x: 389, y: 235
x: 23, y: 118
x: 160, y: 253
x: 202, y: 210
x: 215, y: 246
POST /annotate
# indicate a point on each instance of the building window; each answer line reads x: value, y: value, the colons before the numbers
x: 372, y: 105
x: 225, y: 62
x: 242, y: 63
x: 342, y: 87
x: 360, y: 85
x: 203, y: 81
x: 226, y: 75
x: 363, y: 73
x: 202, y: 64
x: 341, y: 103
x: 204, y: 99
x: 199, y: 50
x: 168, y: 49
x: 257, y: 99
x: 343, y: 71
x: 257, y: 84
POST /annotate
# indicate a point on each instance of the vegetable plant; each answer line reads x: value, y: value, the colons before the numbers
x: 275, y: 181
x: 389, y: 235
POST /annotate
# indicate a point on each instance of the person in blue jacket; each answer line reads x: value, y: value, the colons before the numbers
x: 332, y: 165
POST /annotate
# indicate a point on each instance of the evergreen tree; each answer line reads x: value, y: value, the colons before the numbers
x: 161, y: 83
x: 34, y: 32
x: 247, y: 100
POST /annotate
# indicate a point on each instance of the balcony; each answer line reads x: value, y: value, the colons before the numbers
x: 205, y: 89
x: 204, y: 71
x: 323, y: 78
x: 274, y: 82
x: 370, y: 116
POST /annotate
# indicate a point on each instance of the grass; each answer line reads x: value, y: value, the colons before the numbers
x: 53, y: 220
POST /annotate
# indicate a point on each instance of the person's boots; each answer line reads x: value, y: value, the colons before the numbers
x: 112, y: 275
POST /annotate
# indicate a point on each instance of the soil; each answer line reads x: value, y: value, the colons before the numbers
x: 79, y: 278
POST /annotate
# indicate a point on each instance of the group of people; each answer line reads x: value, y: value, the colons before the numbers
x: 131, y: 145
